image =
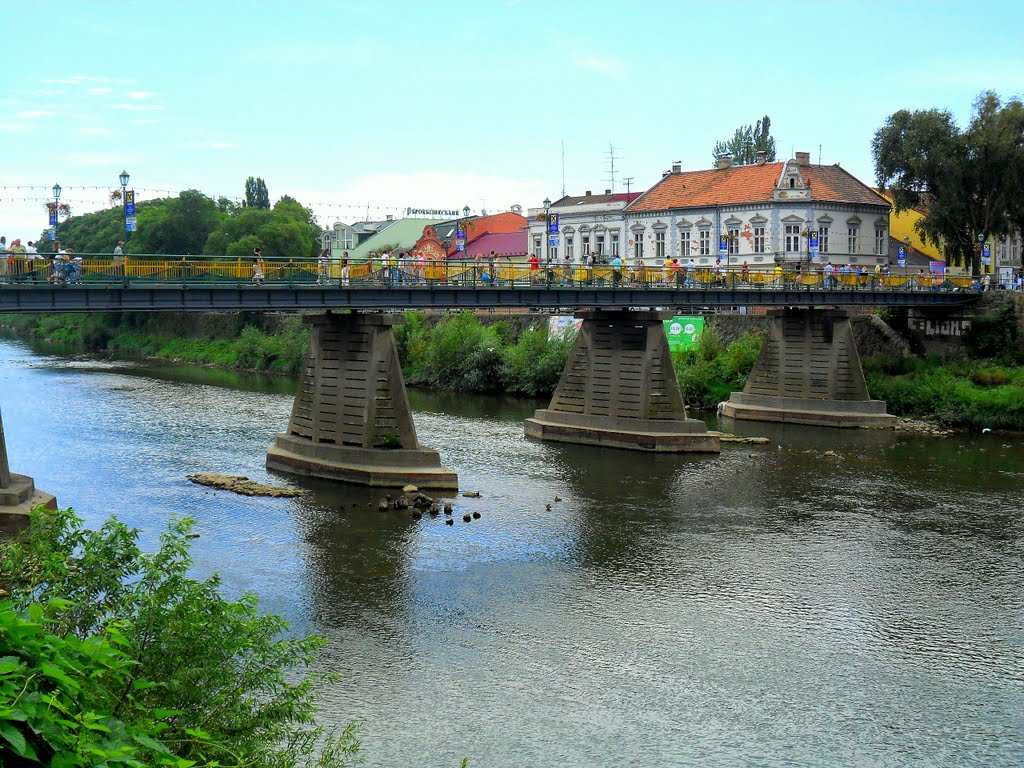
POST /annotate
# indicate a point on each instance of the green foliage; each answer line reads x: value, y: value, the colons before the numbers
x: 256, y: 195
x: 69, y: 701
x: 533, y: 365
x: 957, y: 394
x: 709, y: 371
x: 463, y: 356
x: 746, y: 141
x: 215, y: 681
x: 967, y: 181
x: 993, y: 334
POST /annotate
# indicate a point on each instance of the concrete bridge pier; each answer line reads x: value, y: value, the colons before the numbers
x: 619, y: 390
x: 18, y: 494
x: 351, y: 420
x: 809, y: 372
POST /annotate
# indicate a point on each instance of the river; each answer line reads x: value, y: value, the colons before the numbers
x: 768, y: 606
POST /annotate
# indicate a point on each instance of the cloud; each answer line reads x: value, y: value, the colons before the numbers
x: 75, y: 80
x: 95, y: 131
x: 141, y: 94
x: 603, y: 66
x: 145, y: 121
x: 32, y: 114
x: 394, y: 192
x: 208, y: 145
x: 139, y: 107
x: 101, y: 91
x: 96, y: 158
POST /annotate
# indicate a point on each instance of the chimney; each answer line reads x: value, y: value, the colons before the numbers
x: 607, y: 191
x: 588, y: 193
x: 677, y: 167
x: 724, y: 160
x: 760, y: 157
x: 803, y: 159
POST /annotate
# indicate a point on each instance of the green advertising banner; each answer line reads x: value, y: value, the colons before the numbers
x: 683, y: 331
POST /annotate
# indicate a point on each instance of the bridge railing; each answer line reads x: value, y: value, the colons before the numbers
x: 153, y: 270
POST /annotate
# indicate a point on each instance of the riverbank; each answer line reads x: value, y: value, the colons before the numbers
x: 981, y: 387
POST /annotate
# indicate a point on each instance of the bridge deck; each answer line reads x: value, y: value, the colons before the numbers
x: 185, y: 297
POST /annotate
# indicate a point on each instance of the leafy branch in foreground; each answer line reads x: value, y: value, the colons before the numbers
x: 138, y: 661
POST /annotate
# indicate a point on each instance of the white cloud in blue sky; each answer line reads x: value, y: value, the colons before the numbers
x: 385, y: 105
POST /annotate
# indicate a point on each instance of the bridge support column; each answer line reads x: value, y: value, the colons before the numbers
x: 351, y: 420
x: 18, y: 494
x: 619, y: 390
x: 809, y: 373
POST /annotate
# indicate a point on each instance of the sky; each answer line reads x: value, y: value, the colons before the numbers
x: 361, y: 109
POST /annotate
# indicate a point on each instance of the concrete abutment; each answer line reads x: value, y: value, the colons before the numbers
x: 809, y: 372
x: 351, y: 419
x: 619, y: 390
x: 18, y: 494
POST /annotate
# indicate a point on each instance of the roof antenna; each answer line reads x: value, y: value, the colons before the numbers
x: 629, y: 182
x: 563, y: 167
x: 612, y: 157
x: 819, y: 154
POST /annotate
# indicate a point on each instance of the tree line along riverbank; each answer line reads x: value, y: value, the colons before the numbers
x: 980, y: 384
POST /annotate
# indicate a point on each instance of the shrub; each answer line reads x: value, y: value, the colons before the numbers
x: 225, y: 683
x: 990, y: 377
x: 534, y: 364
x: 463, y: 356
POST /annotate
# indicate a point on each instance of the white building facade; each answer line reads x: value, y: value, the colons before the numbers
x: 586, y: 224
x: 761, y: 214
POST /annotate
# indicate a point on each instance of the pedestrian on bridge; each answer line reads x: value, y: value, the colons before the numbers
x: 257, y: 266
x: 118, y: 262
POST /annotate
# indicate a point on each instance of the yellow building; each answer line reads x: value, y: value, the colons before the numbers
x: 901, y: 228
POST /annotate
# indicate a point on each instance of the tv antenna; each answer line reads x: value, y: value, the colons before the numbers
x: 563, y: 167
x: 612, y: 157
x: 628, y: 181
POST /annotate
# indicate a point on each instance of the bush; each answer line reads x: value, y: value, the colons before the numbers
x: 462, y: 356
x: 709, y: 372
x: 990, y: 377
x: 533, y: 365
x: 223, y: 683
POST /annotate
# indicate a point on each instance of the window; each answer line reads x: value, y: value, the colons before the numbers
x: 615, y: 244
x: 585, y: 246
x: 599, y: 244
x: 734, y: 240
x: 568, y: 247
x: 851, y: 239
x: 705, y: 242
x: 823, y: 239
x: 880, y: 241
x: 1002, y: 250
x: 792, y: 183
x: 536, y: 246
x: 684, y: 244
x: 758, y: 239
x: 659, y: 246
x: 792, y: 238
x: 638, y: 246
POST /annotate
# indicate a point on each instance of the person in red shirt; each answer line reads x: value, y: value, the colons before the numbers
x: 534, y: 263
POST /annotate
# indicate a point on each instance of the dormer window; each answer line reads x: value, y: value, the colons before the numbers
x: 792, y: 183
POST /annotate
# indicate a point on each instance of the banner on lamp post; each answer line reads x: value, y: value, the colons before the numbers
x: 129, y: 203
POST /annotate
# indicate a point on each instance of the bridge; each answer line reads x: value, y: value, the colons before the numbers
x: 351, y: 420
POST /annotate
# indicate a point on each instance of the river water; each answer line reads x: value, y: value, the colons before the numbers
x: 768, y: 606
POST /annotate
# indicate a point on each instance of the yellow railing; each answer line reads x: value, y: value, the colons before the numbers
x: 207, y: 269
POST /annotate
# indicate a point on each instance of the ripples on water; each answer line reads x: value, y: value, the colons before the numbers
x: 770, y: 606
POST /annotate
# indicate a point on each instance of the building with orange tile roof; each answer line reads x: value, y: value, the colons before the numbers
x: 762, y: 214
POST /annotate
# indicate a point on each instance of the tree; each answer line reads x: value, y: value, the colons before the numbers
x: 256, y: 195
x: 225, y: 683
x: 746, y: 141
x: 967, y: 182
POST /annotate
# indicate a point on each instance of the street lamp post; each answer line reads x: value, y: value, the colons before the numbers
x: 56, y: 209
x: 123, y: 178
x: 546, y: 238
x: 461, y: 229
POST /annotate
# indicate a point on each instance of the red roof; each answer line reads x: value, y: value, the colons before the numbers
x: 752, y: 184
x: 502, y: 243
x: 617, y: 197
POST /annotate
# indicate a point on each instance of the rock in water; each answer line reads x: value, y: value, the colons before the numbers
x: 476, y: 515
x: 466, y: 518
x: 410, y: 489
x: 449, y: 521
x: 472, y: 494
x: 242, y: 485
